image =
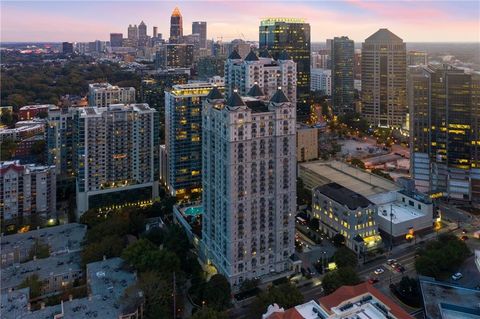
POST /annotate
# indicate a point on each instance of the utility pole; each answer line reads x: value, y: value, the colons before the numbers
x: 391, y: 228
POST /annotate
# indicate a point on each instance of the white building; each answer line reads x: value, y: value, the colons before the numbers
x: 26, y: 190
x: 321, y: 80
x: 114, y: 155
x: 249, y: 193
x: 243, y: 74
x: 104, y: 94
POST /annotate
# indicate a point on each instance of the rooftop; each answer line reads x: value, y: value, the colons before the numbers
x: 401, y: 212
x: 364, y: 183
x: 344, y: 196
x: 448, y: 301
x: 37, y: 106
x: 383, y: 35
x: 94, y: 111
x: 14, y: 304
x: 61, y: 239
x: 346, y: 297
x: 13, y: 276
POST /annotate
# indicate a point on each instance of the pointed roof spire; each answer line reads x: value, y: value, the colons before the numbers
x: 251, y: 56
x: 234, y: 55
x: 214, y: 94
x: 284, y: 56
x: 176, y: 12
x: 142, y: 23
x: 255, y: 91
x: 235, y: 99
x: 279, y: 97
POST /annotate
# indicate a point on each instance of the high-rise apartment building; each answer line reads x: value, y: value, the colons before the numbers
x: 114, y: 156
x: 26, y: 190
x: 176, y: 26
x: 59, y: 130
x: 142, y: 34
x: 321, y: 81
x: 116, y: 40
x: 384, y: 79
x: 200, y: 27
x: 183, y: 137
x: 249, y: 194
x: 132, y: 35
x: 269, y: 74
x: 104, y: 94
x: 342, y: 62
x: 444, y: 130
x: 67, y: 47
x: 179, y: 55
x: 417, y: 58
x: 293, y: 36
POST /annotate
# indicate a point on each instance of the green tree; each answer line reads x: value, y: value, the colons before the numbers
x: 314, y: 223
x: 249, y: 284
x: 145, y: 256
x: 378, y: 172
x: 358, y: 163
x: 338, y: 240
x: 38, y: 149
x: 39, y: 250
x: 217, y: 293
x: 7, y: 150
x: 35, y: 285
x: 333, y: 280
x: 285, y: 295
x: 109, y: 246
x: 158, y: 294
x: 209, y: 313
x: 344, y: 257
x: 8, y: 118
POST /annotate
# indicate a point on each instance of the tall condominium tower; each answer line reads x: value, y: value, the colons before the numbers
x: 142, y: 34
x: 183, y: 138
x: 384, y: 79
x: 104, y: 94
x: 200, y: 27
x: 293, y: 36
x: 25, y: 191
x: 132, y: 35
x: 176, y: 26
x: 114, y: 156
x: 179, y: 55
x: 445, y: 142
x: 249, y: 195
x: 269, y: 74
x: 342, y: 62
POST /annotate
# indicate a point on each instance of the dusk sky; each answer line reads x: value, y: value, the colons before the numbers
x: 414, y: 21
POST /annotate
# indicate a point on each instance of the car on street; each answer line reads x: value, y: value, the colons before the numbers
x: 457, y: 276
x: 391, y: 261
x: 379, y: 271
x: 398, y: 267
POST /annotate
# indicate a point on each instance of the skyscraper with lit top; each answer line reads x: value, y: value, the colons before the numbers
x: 176, y: 26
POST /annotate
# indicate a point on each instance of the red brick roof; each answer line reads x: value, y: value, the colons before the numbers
x: 348, y: 292
x: 291, y: 313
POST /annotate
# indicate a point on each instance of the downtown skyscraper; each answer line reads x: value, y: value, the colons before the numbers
x: 384, y: 85
x: 176, y: 26
x: 342, y: 62
x: 292, y: 36
x: 200, y: 28
x: 249, y: 193
x: 445, y: 142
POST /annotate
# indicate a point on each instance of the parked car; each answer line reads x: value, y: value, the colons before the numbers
x: 457, y: 276
x: 379, y: 271
x: 391, y: 261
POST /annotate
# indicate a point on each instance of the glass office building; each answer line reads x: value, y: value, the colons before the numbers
x: 342, y: 60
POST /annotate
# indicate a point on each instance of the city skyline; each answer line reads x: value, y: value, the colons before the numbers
x: 427, y: 21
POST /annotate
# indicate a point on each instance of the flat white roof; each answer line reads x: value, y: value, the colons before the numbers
x: 401, y: 212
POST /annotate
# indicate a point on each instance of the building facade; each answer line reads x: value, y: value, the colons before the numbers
x: 384, y: 91
x: 183, y: 138
x: 179, y: 55
x: 269, y: 74
x: 417, y: 58
x: 60, y: 141
x: 292, y: 36
x: 445, y: 141
x: 176, y: 26
x: 342, y: 211
x: 114, y: 156
x: 200, y: 28
x: 116, y: 40
x: 342, y: 62
x: 307, y: 142
x: 249, y: 193
x: 104, y: 94
x: 321, y: 80
x: 26, y: 190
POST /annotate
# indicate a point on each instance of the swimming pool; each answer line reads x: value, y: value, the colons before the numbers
x: 194, y: 211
